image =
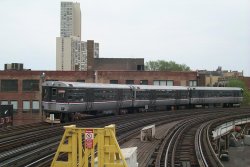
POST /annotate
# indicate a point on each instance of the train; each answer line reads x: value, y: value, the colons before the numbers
x: 65, y: 100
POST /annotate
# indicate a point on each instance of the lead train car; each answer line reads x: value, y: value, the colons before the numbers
x: 79, y: 97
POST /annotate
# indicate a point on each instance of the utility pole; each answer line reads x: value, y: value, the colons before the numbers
x: 42, y: 79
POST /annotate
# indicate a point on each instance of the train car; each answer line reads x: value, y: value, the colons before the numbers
x: 216, y: 96
x: 151, y: 95
x: 71, y: 97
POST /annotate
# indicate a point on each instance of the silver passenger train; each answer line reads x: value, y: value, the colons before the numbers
x: 67, y: 98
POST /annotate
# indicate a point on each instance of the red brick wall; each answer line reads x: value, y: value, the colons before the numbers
x: 122, y: 76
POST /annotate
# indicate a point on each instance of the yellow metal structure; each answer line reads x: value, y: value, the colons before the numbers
x: 89, y: 147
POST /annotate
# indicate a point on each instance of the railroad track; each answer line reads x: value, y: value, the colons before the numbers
x: 41, y: 152
x: 188, y: 143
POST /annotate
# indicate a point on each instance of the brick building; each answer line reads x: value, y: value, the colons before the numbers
x: 124, y: 64
x: 22, y: 88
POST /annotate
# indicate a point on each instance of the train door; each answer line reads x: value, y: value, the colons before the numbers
x: 201, y: 97
x: 53, y: 94
x: 119, y: 93
x: 89, y: 99
x: 177, y: 97
x: 236, y: 98
x: 152, y: 99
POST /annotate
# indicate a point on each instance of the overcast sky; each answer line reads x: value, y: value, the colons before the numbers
x: 202, y: 34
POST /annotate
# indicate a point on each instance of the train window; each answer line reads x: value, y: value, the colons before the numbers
x: 141, y: 95
x: 105, y: 94
x: 184, y: 94
x: 53, y: 91
x: 194, y: 93
x: 127, y: 94
x: 70, y: 98
x: 78, y: 95
x: 161, y: 94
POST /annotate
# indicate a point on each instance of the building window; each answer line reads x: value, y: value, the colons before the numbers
x: 130, y: 82
x: 83, y: 81
x: 26, y: 105
x: 113, y: 81
x: 164, y: 83
x: 192, y: 83
x: 160, y: 82
x: 4, y: 102
x: 170, y: 83
x: 140, y: 67
x: 9, y: 85
x: 143, y: 82
x: 30, y: 85
x: 35, y: 105
x: 51, y: 79
x: 14, y: 104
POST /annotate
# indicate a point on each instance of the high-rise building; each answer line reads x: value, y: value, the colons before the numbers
x: 70, y: 19
x: 71, y: 52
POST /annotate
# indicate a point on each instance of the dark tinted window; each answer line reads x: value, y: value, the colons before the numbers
x: 143, y: 82
x: 140, y: 67
x: 114, y: 81
x: 9, y: 85
x: 53, y: 91
x: 130, y: 82
x: 105, y: 94
x: 142, y: 95
x: 30, y: 85
x: 80, y: 80
x: 76, y: 95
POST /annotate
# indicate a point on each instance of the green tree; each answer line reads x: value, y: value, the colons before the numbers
x: 241, y: 84
x: 162, y: 65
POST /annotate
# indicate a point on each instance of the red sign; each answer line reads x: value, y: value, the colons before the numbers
x: 89, y: 138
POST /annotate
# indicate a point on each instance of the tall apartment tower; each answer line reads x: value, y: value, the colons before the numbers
x: 70, y: 19
x: 71, y: 52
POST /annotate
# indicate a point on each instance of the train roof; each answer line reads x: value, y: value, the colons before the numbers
x: 114, y: 86
x: 123, y: 86
x: 215, y: 88
x: 157, y: 87
x: 84, y: 85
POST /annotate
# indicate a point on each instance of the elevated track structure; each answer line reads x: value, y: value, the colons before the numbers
x: 185, y: 143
